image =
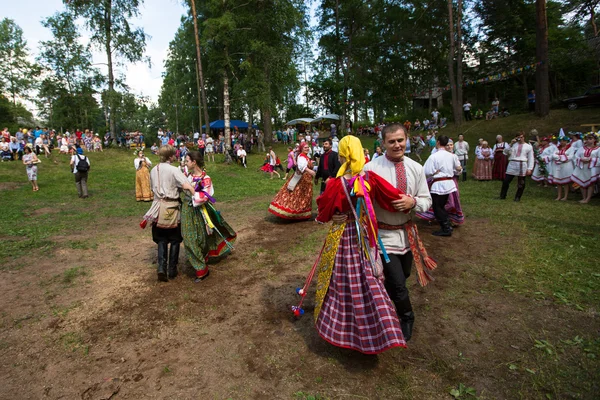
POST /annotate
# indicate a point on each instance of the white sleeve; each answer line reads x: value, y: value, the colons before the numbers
x: 302, y: 164
x: 429, y: 168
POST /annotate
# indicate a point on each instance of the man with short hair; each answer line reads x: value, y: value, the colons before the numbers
x: 329, y: 165
x: 81, y: 166
x: 164, y: 214
x: 461, y: 149
x: 467, y: 110
x: 441, y: 167
x: 395, y: 228
x: 520, y: 164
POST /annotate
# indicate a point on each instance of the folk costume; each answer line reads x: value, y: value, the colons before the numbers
x: 461, y: 149
x: 207, y: 236
x: 542, y: 162
x: 483, y: 166
x: 165, y: 216
x: 294, y: 199
x: 520, y: 160
x: 399, y: 234
x: 562, y: 165
x: 585, y: 172
x: 142, y: 179
x: 441, y: 168
x: 352, y: 308
x: 500, y: 161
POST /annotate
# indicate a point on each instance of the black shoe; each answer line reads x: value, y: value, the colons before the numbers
x: 162, y: 276
x: 406, y: 324
x: 517, y: 199
x: 500, y: 198
x: 445, y: 231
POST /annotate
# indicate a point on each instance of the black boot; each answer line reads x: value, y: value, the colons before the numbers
x: 445, y: 231
x: 162, y: 261
x: 407, y: 321
x: 173, y: 260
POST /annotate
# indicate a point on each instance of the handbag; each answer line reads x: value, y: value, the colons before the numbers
x: 294, y: 181
x: 168, y: 214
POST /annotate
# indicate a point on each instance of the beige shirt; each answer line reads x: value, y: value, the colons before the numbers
x: 166, y: 181
x: 396, y: 242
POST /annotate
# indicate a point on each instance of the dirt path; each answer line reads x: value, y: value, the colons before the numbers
x: 89, y: 320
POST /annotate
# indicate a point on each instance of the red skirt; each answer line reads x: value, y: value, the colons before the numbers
x: 500, y: 164
x: 295, y: 205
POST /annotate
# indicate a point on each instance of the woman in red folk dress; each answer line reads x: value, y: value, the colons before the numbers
x: 294, y: 199
x: 352, y: 307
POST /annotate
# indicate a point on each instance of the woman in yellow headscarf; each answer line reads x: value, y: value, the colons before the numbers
x: 352, y: 308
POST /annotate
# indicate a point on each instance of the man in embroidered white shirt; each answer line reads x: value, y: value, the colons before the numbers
x: 461, y: 149
x: 406, y: 175
x: 441, y: 167
x: 520, y: 164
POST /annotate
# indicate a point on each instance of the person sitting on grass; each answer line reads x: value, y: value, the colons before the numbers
x: 479, y: 114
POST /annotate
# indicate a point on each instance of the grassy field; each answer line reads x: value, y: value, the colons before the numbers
x: 526, y: 275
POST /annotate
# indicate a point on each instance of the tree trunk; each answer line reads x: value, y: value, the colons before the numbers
x: 459, y: 74
x: 268, y: 127
x: 111, y: 75
x: 266, y: 110
x: 200, y: 75
x: 199, y: 100
x: 455, y: 106
x: 542, y: 95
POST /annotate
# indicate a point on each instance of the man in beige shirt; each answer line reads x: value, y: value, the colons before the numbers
x: 166, y: 182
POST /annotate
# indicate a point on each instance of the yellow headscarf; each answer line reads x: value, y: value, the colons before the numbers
x: 351, y: 149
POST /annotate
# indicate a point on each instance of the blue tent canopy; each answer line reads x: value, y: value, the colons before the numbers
x: 220, y: 124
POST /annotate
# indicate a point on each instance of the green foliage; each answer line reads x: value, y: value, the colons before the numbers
x: 17, y: 73
x: 66, y: 93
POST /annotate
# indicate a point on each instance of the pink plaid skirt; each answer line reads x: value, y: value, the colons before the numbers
x: 357, y: 313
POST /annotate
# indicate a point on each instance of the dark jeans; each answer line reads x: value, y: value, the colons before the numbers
x: 439, y: 207
x: 396, y: 273
x: 467, y: 115
x: 506, y: 183
x: 81, y: 183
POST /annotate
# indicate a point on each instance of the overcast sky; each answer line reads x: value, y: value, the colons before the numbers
x: 159, y: 18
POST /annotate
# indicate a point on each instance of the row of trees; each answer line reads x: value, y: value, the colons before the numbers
x: 251, y: 58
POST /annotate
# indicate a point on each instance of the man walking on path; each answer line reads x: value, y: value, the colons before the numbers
x: 81, y: 166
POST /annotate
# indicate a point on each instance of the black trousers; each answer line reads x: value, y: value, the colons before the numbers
x: 439, y: 207
x: 171, y: 236
x: 506, y: 183
x: 396, y: 273
x: 467, y: 115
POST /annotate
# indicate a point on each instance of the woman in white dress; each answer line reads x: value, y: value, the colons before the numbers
x: 584, y: 173
x: 562, y: 168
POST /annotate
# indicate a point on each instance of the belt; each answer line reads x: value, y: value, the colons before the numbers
x: 442, y: 179
x: 169, y: 199
x: 387, y: 227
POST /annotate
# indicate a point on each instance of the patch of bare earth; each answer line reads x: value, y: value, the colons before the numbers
x: 109, y: 330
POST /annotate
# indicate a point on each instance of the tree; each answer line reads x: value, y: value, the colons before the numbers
x: 17, y: 74
x: 199, y: 68
x: 542, y: 98
x: 108, y: 20
x: 66, y: 92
